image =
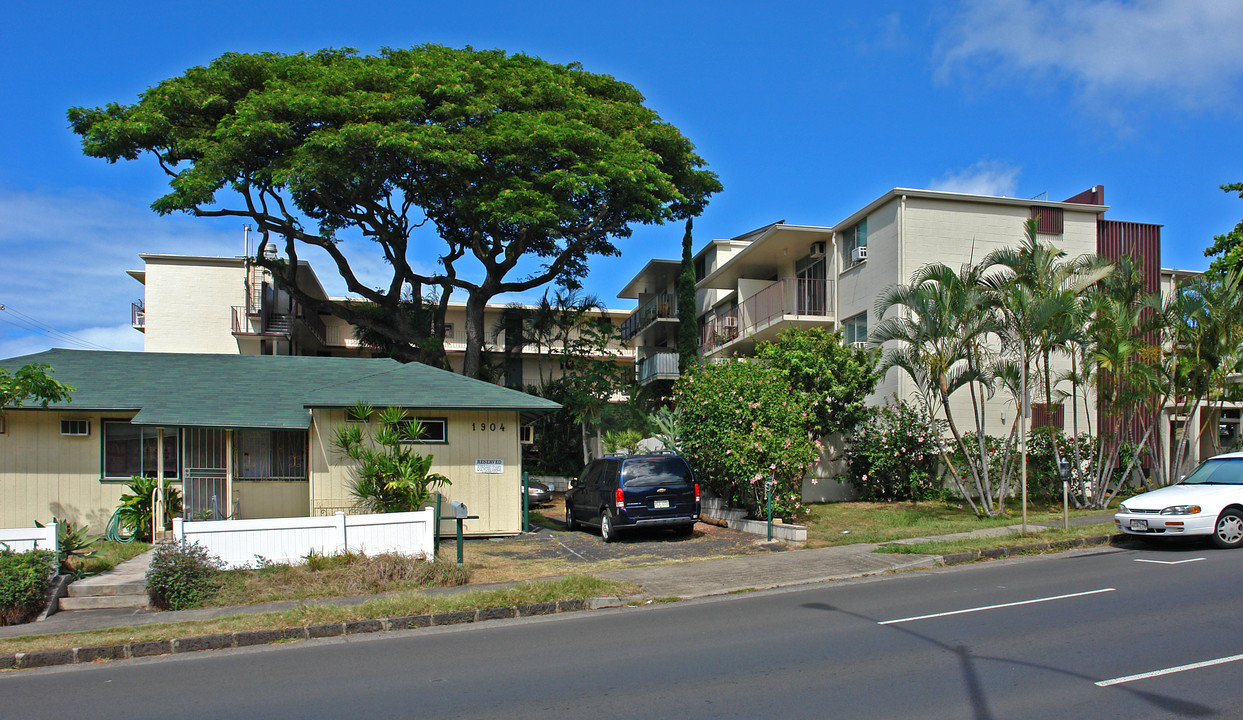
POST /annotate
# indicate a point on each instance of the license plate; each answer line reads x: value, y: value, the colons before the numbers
x: 1139, y: 525
x: 660, y: 504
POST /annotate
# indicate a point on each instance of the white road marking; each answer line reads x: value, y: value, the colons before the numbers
x: 1170, y: 671
x: 994, y: 607
x: 1167, y: 562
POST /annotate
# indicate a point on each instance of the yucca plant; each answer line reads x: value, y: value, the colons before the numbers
x: 391, y: 475
x: 72, y: 542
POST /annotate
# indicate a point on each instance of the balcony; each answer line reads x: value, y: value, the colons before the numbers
x: 660, y: 366
x: 269, y: 323
x: 785, y: 303
x: 659, y: 307
x: 138, y: 316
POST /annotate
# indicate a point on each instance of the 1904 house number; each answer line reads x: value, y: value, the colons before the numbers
x: 487, y: 427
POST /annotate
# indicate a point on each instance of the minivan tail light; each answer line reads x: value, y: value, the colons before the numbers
x: 696, y: 492
x: 619, y: 499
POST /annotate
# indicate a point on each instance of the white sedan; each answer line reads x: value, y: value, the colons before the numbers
x: 1209, y: 501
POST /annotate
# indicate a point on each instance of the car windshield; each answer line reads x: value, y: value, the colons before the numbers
x: 1218, y: 471
x: 646, y: 472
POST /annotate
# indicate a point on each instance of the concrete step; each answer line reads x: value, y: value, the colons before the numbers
x: 85, y: 588
x: 101, y: 602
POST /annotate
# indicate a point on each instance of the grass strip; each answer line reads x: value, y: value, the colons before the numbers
x: 578, y: 587
x: 950, y: 547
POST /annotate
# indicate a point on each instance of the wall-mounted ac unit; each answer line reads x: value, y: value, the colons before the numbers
x: 730, y: 321
x: 859, y: 254
x: 859, y: 345
x: 526, y: 434
x: 817, y: 249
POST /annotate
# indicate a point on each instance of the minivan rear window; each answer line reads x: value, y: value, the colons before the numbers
x: 647, y: 472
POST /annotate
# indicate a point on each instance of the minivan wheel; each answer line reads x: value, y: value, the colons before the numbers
x: 607, y: 532
x: 686, y: 530
x: 570, y: 523
x: 1228, y: 533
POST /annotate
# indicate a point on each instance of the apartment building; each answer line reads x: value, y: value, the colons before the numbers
x: 227, y: 305
x: 752, y: 287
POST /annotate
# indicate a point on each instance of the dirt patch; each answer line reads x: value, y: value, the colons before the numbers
x: 552, y: 550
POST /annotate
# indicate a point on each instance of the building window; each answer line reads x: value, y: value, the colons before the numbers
x: 855, y: 329
x: 270, y: 455
x: 132, y: 450
x: 75, y: 428
x: 435, y: 430
x: 448, y: 331
x: 854, y: 238
x: 1, y: 423
x: 1049, y: 220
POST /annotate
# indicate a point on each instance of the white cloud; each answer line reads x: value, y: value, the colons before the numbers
x: 983, y: 178
x: 1181, y: 51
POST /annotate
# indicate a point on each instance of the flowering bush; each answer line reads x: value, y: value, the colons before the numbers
x: 894, y: 455
x: 742, y: 423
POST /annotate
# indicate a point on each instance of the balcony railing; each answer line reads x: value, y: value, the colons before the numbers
x: 138, y: 316
x: 657, y: 367
x: 797, y: 297
x: 664, y: 305
x: 273, y: 323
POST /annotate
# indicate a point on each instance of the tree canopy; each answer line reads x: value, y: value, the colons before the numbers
x: 33, y: 382
x: 509, y: 158
x: 1229, y: 247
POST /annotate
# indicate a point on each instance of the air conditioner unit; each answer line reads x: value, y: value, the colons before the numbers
x: 859, y: 254
x: 729, y: 321
x: 859, y: 345
x: 817, y: 249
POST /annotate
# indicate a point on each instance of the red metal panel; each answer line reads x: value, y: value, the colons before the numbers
x: 1048, y: 219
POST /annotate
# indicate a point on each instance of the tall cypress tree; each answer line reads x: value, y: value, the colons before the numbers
x: 688, y: 327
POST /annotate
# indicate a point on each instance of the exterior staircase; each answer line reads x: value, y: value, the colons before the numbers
x: 124, y: 586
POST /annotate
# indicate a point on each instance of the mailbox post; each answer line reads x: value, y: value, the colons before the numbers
x: 1063, y: 470
x: 460, y: 514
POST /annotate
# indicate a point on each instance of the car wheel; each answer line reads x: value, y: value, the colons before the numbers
x: 570, y: 523
x: 1228, y: 533
x: 607, y: 532
x: 686, y: 530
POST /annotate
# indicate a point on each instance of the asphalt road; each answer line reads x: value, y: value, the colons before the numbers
x: 1047, y: 637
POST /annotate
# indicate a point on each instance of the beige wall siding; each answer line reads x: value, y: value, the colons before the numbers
x: 44, y: 474
x: 471, y: 436
x: 271, y: 498
x: 189, y: 305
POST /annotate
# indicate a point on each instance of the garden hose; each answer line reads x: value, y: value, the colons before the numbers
x: 115, y: 532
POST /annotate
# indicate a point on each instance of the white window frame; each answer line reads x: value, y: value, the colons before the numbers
x: 68, y: 427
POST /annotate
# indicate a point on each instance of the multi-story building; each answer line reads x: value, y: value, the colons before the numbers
x: 195, y: 304
x: 756, y: 285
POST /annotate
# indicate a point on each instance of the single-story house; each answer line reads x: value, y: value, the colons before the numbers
x: 249, y: 436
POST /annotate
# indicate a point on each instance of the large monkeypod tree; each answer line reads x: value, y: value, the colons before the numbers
x: 522, y: 168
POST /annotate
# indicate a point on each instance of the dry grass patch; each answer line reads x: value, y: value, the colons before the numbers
x: 346, y: 575
x: 579, y: 587
x: 108, y: 555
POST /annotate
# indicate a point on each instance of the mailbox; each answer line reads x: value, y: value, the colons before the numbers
x: 459, y: 510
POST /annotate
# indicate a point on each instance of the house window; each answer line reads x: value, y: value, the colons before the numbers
x: 75, y: 428
x: 1, y: 423
x: 855, y: 329
x: 855, y: 237
x: 435, y: 430
x: 448, y: 331
x: 132, y: 450
x: 270, y: 455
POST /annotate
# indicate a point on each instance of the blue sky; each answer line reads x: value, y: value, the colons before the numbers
x: 806, y: 110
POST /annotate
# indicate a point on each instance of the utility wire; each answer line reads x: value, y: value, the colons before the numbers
x: 25, y: 322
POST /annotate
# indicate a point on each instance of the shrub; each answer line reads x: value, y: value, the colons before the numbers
x: 392, y: 476
x: 894, y: 455
x: 135, y: 508
x: 742, y: 422
x: 24, y: 579
x: 181, y: 575
x: 72, y: 542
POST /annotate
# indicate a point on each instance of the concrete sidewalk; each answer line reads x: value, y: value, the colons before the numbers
x: 682, y: 580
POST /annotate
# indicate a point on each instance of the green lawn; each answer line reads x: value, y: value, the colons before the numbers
x: 870, y: 522
x: 108, y: 555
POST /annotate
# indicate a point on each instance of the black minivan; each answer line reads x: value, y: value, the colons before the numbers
x: 634, y: 491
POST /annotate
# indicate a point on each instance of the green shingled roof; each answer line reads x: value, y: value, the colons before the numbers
x: 260, y: 391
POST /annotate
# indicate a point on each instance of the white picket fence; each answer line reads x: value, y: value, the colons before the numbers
x: 247, y: 543
x: 23, y: 539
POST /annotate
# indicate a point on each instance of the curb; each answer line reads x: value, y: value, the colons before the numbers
x: 1016, y: 550
x: 124, y: 651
